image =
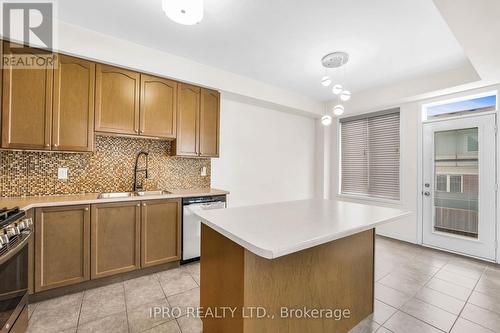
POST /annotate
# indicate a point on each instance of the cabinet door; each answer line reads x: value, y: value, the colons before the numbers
x: 188, y: 120
x: 161, y: 232
x: 115, y: 238
x: 158, y: 107
x: 209, y: 123
x: 61, y: 246
x: 27, y: 105
x: 117, y: 100
x: 73, y: 113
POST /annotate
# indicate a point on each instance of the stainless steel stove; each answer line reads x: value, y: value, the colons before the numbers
x: 15, y: 232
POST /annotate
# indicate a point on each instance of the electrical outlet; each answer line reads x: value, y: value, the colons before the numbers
x: 62, y: 173
x: 203, y: 171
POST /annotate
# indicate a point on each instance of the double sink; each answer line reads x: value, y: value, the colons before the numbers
x: 114, y: 195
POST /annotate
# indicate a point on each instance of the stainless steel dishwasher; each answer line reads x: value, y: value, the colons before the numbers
x: 191, y: 224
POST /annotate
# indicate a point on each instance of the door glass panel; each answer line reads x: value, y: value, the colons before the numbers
x: 456, y: 170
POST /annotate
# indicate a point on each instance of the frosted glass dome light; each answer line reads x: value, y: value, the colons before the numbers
x: 337, y: 89
x: 326, y: 81
x: 338, y: 110
x: 187, y: 12
x: 326, y: 120
x: 345, y: 95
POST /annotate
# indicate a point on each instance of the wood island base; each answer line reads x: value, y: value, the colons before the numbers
x: 336, y: 279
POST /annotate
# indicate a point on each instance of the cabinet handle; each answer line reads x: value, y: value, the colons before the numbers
x: 47, y: 145
x: 86, y: 209
x: 138, y: 205
x: 56, y: 145
x: 144, y: 204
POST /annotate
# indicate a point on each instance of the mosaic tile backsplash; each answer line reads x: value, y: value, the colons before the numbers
x: 110, y: 168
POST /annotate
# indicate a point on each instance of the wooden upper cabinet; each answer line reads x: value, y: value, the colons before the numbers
x: 209, y: 123
x: 188, y: 120
x: 27, y: 106
x: 158, y: 107
x: 73, y: 111
x: 62, y: 239
x: 117, y: 100
x: 115, y: 238
x: 198, y: 118
x: 160, y: 231
x: 61, y: 108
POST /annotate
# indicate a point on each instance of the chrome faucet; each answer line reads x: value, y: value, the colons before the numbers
x: 140, y: 186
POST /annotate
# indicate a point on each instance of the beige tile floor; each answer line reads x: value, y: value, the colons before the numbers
x: 123, y: 306
x: 417, y: 290
x: 420, y: 290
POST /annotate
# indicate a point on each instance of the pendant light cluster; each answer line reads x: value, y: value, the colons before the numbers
x: 334, y: 61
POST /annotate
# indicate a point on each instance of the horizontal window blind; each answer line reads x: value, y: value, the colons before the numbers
x: 370, y: 154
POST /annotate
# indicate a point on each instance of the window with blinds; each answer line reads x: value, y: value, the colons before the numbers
x: 370, y: 154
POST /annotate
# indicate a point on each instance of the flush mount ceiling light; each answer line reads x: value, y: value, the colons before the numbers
x: 187, y: 12
x: 336, y: 62
x: 335, y: 59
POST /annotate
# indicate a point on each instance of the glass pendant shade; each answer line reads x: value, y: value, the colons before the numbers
x: 187, y: 12
x: 345, y: 95
x: 326, y: 81
x: 337, y: 89
x: 326, y: 120
x: 338, y: 110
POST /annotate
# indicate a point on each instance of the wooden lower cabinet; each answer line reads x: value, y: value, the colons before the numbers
x: 160, y: 231
x: 61, y: 246
x: 115, y: 238
x: 73, y: 244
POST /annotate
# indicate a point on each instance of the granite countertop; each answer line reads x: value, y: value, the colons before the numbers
x: 90, y: 198
x: 275, y: 230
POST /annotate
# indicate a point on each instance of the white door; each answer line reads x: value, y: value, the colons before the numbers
x: 459, y: 190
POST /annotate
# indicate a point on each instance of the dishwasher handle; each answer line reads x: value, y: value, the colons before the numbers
x: 213, y: 205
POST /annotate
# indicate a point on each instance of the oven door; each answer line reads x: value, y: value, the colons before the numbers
x: 14, y: 284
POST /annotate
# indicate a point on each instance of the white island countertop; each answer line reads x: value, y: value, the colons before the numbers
x: 278, y: 229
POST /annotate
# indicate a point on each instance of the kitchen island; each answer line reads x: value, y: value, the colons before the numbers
x: 299, y: 266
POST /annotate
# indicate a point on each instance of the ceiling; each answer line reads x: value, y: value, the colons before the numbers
x: 281, y: 42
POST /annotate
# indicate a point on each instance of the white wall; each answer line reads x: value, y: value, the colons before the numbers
x: 265, y: 155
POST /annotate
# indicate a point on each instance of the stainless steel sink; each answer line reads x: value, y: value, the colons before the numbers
x: 146, y: 193
x: 112, y: 195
